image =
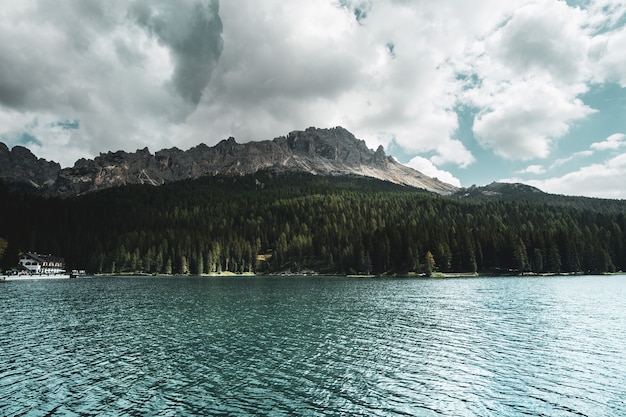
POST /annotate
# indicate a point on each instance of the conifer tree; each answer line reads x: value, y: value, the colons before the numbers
x: 429, y: 261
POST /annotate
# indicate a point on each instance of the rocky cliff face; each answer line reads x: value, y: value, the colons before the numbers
x: 22, y: 171
x: 318, y: 151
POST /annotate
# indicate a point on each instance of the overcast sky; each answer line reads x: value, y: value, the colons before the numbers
x: 470, y: 92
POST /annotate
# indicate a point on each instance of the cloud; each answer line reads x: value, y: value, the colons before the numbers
x: 524, y: 119
x: 453, y: 151
x: 605, y: 15
x: 279, y: 71
x: 613, y: 142
x: 193, y: 36
x: 127, y: 81
x: 153, y: 73
x: 607, y: 55
x: 533, y: 169
x: 359, y: 8
x: 562, y: 161
x: 428, y: 168
x: 376, y: 72
x: 527, y: 77
x: 603, y: 180
x: 542, y: 38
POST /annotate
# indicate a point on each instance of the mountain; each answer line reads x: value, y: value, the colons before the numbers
x: 332, y: 152
x: 22, y: 171
x: 514, y: 192
x: 502, y: 191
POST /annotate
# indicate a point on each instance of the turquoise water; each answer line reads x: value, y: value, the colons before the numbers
x: 314, y: 346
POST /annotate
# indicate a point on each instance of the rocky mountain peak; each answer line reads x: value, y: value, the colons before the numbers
x: 226, y: 143
x: 22, y: 170
x: 333, y: 151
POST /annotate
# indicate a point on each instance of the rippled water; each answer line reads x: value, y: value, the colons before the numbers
x: 315, y: 346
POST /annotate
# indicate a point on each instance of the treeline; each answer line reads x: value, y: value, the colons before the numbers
x: 271, y: 222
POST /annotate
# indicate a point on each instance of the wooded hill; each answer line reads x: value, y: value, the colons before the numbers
x: 269, y: 222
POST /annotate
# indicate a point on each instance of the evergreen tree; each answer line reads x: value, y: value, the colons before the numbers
x: 537, y: 261
x: 3, y: 247
x: 429, y: 261
x: 520, y: 258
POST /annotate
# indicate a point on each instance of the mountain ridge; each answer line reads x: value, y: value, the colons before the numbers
x: 333, y: 151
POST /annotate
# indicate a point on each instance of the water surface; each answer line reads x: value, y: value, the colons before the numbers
x: 314, y: 346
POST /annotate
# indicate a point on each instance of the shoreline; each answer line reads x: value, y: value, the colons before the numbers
x: 146, y: 274
x: 33, y: 277
x: 435, y: 275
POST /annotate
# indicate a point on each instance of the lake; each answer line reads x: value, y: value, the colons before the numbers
x: 314, y: 346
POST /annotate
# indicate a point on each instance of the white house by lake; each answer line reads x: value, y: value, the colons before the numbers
x: 34, y: 263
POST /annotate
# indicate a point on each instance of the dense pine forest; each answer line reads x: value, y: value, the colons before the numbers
x: 269, y: 222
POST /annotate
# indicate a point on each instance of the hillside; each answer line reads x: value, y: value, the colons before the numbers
x: 514, y: 192
x: 273, y: 222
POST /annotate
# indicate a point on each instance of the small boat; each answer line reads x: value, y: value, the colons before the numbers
x: 77, y: 273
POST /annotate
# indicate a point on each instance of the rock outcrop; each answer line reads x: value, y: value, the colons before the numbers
x: 318, y: 151
x: 22, y: 171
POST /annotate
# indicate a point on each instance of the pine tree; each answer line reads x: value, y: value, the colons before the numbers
x: 537, y: 261
x: 3, y: 247
x: 429, y: 261
x: 184, y: 265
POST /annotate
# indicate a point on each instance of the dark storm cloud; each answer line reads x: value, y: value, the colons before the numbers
x: 47, y: 61
x: 193, y: 36
x: 127, y: 72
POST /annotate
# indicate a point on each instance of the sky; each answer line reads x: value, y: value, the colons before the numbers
x: 530, y: 91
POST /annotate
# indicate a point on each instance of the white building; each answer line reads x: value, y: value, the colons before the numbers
x: 34, y: 263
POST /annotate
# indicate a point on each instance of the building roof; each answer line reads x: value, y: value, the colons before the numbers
x: 43, y: 258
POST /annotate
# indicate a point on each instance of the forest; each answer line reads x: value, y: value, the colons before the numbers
x: 273, y: 223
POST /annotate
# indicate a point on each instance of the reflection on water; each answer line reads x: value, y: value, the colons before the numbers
x: 314, y: 346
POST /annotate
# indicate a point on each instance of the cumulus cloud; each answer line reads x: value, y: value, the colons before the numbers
x: 156, y: 73
x: 603, y: 180
x: 533, y: 169
x: 542, y: 38
x: 428, y: 168
x: 525, y: 118
x: 599, y: 180
x: 613, y: 142
x: 453, y: 151
x: 531, y: 71
x: 378, y: 68
x: 605, y: 15
x: 128, y: 72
